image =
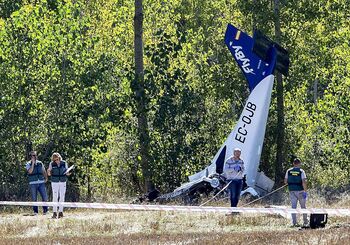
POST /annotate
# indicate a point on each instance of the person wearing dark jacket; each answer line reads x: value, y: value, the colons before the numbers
x: 296, y: 179
x: 58, y: 172
x: 37, y: 178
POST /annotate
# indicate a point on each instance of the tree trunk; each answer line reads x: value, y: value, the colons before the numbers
x: 139, y: 92
x: 254, y: 16
x: 280, y: 106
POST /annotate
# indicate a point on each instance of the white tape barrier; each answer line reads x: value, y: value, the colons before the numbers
x: 274, y: 210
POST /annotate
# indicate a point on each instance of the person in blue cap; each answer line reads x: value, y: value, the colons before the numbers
x: 295, y: 178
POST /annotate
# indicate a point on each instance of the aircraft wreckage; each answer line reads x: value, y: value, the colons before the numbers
x: 258, y: 58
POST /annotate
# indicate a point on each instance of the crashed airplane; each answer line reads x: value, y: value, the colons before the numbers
x: 258, y: 58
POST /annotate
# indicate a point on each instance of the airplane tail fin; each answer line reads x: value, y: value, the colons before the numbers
x: 257, y: 57
x: 262, y: 47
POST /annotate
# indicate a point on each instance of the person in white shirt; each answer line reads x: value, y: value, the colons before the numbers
x: 234, y: 172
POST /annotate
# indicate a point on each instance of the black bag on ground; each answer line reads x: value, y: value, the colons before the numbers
x: 318, y: 220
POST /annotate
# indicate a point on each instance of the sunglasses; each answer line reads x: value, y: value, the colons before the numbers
x: 33, y: 155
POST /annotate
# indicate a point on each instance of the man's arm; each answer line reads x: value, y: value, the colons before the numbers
x: 242, y: 167
x: 304, y: 184
x: 303, y: 179
x: 286, y: 178
x: 31, y: 168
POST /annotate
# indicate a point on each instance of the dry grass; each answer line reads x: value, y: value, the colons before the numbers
x: 96, y: 227
x: 141, y: 227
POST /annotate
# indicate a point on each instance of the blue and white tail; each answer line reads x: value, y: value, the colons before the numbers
x: 249, y: 131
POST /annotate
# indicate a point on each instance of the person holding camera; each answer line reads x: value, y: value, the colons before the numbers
x: 37, y: 178
x: 295, y: 178
x: 233, y: 171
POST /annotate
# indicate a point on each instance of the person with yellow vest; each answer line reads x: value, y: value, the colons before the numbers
x: 37, y: 178
x: 296, y: 179
x: 58, y: 172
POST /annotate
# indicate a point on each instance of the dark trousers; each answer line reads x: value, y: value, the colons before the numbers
x: 235, y: 191
x: 34, y: 189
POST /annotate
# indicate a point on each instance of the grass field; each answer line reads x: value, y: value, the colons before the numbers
x: 96, y: 227
x: 154, y: 227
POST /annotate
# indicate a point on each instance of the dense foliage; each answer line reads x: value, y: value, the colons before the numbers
x: 66, y: 85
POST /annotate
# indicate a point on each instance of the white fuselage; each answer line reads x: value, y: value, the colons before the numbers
x: 248, y: 133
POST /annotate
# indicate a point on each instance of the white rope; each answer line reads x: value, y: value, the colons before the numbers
x: 260, y: 210
x: 263, y: 196
x: 216, y: 194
